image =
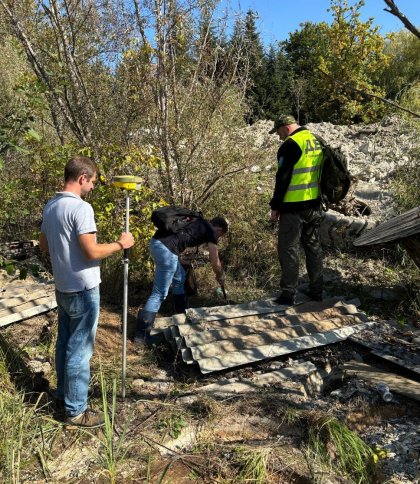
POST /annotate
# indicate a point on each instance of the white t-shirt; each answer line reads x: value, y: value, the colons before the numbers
x: 65, y: 217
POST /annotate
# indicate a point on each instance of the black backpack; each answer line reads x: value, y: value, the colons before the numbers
x: 335, y: 176
x: 172, y: 219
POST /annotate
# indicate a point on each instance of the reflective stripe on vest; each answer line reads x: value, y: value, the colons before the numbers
x: 304, y: 184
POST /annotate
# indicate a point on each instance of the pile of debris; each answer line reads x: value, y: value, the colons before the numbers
x: 373, y: 151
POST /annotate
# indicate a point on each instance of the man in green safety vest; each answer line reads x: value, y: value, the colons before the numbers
x: 296, y: 206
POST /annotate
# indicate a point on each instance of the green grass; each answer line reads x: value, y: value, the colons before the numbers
x: 252, y: 464
x: 113, y: 445
x: 332, y: 444
x: 26, y: 435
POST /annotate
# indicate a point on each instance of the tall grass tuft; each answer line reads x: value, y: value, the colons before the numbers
x: 112, y: 443
x: 252, y: 465
x: 333, y: 444
x: 24, y: 432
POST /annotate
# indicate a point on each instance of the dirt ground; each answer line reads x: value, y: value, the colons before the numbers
x: 166, y: 431
x: 181, y: 437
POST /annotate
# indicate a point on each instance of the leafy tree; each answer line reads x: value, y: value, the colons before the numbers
x: 332, y: 65
x: 355, y: 59
x: 305, y: 46
x: 20, y: 97
x: 187, y: 114
x: 256, y: 93
x: 305, y: 85
x: 402, y: 73
x: 65, y: 45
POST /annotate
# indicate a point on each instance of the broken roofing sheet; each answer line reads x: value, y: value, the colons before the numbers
x: 23, y: 299
x: 224, y: 337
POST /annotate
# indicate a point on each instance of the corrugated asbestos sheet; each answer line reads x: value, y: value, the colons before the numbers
x: 399, y: 227
x: 223, y: 337
x: 21, y: 300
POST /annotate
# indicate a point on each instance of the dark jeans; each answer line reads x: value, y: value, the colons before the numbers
x: 295, y: 229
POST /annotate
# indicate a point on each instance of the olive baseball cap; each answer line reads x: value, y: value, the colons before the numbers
x: 283, y: 120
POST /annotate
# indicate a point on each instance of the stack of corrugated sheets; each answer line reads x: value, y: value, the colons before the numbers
x: 224, y: 337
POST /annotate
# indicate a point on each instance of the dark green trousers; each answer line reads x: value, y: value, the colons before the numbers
x: 296, y: 229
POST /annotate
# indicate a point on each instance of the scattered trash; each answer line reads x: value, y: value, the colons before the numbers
x: 386, y: 395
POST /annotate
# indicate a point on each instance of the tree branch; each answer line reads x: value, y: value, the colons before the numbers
x: 364, y: 93
x: 42, y: 73
x: 393, y: 9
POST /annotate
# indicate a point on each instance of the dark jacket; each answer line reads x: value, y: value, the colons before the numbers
x: 192, y: 235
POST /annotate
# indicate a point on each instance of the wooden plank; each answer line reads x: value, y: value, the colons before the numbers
x: 244, y: 357
x: 396, y: 383
x: 396, y: 354
x: 397, y: 228
x: 397, y: 361
x: 44, y: 305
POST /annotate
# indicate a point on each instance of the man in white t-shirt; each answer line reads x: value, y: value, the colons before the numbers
x: 68, y: 233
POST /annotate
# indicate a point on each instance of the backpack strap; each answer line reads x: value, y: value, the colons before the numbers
x: 324, y: 146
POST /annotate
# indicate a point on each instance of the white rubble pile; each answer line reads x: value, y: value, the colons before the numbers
x: 374, y: 152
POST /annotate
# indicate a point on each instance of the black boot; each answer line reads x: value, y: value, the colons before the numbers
x: 180, y: 303
x: 145, y: 322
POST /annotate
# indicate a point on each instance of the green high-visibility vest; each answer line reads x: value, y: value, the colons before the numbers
x: 304, y: 184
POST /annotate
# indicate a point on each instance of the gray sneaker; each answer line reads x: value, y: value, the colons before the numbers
x: 88, y: 419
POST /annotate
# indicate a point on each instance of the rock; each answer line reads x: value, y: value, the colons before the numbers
x: 187, y: 399
x: 40, y: 366
x: 137, y: 384
x: 365, y: 148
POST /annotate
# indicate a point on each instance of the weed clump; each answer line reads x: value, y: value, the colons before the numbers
x: 252, y: 464
x: 333, y: 444
x: 22, y: 426
x: 204, y: 408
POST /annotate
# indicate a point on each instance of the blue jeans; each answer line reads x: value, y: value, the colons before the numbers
x: 167, y: 270
x: 78, y: 314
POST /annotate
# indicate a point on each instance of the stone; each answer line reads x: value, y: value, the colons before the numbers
x: 137, y: 384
